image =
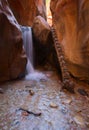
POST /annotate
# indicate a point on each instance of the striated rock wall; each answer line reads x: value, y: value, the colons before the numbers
x: 12, y: 56
x: 72, y: 27
x: 26, y: 10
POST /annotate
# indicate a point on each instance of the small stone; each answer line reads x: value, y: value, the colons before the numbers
x: 79, y: 120
x: 68, y: 101
x: 31, y: 92
x: 53, y: 105
x: 64, y: 110
x: 25, y: 114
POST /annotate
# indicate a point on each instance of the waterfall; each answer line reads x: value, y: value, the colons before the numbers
x: 28, y: 46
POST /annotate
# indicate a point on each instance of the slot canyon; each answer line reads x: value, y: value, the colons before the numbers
x: 44, y: 64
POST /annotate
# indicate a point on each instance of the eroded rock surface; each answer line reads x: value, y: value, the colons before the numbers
x: 26, y: 10
x: 72, y: 27
x: 41, y: 29
x: 12, y: 56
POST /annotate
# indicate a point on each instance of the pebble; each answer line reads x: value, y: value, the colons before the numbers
x: 25, y: 114
x: 31, y: 92
x: 64, y: 110
x: 53, y: 105
x: 68, y: 101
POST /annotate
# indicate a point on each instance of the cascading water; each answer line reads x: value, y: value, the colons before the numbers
x: 28, y: 46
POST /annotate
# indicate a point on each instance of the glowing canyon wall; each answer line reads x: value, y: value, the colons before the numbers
x: 72, y: 27
x: 26, y: 10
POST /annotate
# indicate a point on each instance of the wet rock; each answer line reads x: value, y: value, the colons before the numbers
x: 12, y: 56
x: 53, y: 105
x: 79, y: 120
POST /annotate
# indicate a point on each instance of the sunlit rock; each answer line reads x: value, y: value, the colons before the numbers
x: 41, y: 29
x: 26, y: 10
x: 72, y: 26
x: 12, y: 56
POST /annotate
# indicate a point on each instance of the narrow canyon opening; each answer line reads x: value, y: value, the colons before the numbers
x: 48, y: 11
x: 44, y: 65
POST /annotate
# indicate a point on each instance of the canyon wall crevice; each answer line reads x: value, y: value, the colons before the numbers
x: 72, y: 27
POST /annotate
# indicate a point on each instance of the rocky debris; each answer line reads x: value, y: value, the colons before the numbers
x: 79, y: 120
x: 72, y: 28
x: 12, y: 56
x: 61, y: 118
x: 31, y: 92
x: 53, y: 105
x: 26, y: 10
x: 30, y: 112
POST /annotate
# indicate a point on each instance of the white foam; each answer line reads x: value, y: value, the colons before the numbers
x: 35, y: 76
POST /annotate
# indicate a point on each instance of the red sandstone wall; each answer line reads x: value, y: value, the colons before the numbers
x: 26, y: 10
x: 72, y: 26
x: 12, y: 56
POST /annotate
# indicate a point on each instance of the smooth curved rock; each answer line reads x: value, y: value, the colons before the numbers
x: 43, y: 43
x: 41, y: 29
x: 12, y: 56
x: 72, y: 27
x: 26, y: 10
